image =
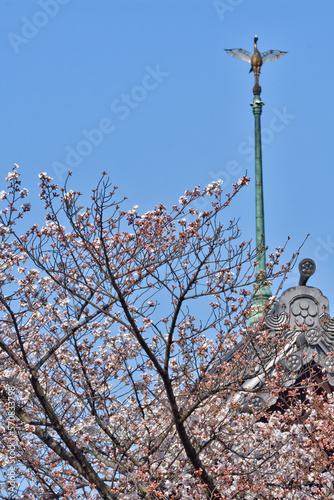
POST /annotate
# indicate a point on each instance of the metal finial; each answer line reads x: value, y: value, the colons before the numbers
x: 256, y: 59
x: 306, y: 269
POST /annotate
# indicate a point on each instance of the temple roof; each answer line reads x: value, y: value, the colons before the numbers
x: 301, y: 320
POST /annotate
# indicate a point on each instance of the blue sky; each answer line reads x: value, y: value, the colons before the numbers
x: 144, y: 90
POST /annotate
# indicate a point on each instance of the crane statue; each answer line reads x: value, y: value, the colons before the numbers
x: 256, y: 60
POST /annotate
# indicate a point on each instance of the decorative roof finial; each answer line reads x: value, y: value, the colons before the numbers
x: 306, y: 269
x: 256, y: 60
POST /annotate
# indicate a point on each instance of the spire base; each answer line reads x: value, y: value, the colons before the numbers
x: 260, y: 300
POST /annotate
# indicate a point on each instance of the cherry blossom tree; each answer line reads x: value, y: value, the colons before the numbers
x: 124, y: 347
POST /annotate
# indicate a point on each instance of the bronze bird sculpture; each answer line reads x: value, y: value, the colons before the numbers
x: 256, y: 60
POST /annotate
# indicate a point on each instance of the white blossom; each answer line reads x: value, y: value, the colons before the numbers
x: 34, y: 273
x: 69, y: 196
x: 183, y: 200
x: 44, y: 175
x: 12, y: 176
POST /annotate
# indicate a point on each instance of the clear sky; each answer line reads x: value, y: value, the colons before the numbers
x: 144, y: 90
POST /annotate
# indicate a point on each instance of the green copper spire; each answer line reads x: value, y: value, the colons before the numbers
x: 262, y: 292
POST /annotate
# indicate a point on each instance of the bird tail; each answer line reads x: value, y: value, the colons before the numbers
x: 251, y: 69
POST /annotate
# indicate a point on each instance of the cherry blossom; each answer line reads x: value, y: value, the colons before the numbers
x: 125, y: 340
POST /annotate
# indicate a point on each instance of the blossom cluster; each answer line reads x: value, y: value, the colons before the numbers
x: 126, y: 339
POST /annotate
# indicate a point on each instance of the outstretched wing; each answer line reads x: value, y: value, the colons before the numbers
x: 240, y: 54
x: 272, y: 55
